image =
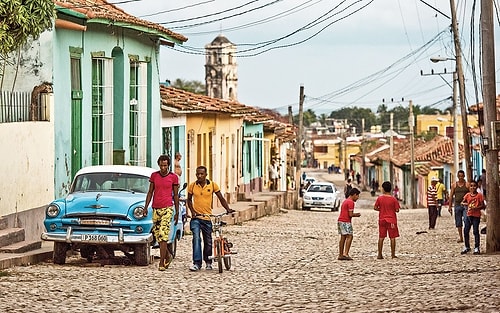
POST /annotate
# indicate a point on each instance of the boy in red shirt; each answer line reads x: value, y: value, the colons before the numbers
x: 387, y: 206
x: 344, y: 224
x: 474, y: 202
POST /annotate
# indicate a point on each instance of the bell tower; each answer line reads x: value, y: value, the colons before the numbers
x: 221, y: 76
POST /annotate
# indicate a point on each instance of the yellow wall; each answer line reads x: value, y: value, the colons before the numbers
x: 424, y: 122
x: 212, y: 141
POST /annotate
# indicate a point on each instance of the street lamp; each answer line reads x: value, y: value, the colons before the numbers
x: 459, y: 76
x: 456, y: 161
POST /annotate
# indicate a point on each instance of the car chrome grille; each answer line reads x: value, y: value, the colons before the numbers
x: 317, y: 198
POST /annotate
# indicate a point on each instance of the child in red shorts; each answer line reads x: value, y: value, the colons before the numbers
x: 387, y: 206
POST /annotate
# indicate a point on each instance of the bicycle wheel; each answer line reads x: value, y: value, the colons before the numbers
x: 227, y: 262
x: 218, y: 254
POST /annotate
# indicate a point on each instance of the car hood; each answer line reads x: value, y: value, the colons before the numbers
x: 321, y: 194
x: 97, y: 203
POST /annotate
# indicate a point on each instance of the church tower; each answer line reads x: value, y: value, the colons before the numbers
x: 221, y: 76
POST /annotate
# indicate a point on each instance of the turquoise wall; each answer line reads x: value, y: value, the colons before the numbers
x: 106, y: 39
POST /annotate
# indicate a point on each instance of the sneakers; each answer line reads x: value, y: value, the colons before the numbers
x: 465, y: 251
x: 208, y: 267
x: 194, y: 268
x: 476, y: 251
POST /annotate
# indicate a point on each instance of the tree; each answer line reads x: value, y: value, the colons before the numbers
x: 355, y: 117
x: 193, y: 86
x: 309, y: 117
x: 21, y: 20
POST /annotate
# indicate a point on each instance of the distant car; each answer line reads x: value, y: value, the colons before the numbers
x: 103, y: 212
x: 321, y: 195
x: 309, y: 180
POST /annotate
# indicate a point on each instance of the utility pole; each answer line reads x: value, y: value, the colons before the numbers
x: 461, y: 87
x: 491, y: 130
x: 363, y: 162
x: 391, y: 150
x: 298, y: 161
x: 456, y: 152
x: 411, y: 124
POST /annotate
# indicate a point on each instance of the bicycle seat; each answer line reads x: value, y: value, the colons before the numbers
x: 222, y: 223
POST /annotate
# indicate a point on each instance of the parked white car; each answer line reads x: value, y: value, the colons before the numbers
x: 321, y: 195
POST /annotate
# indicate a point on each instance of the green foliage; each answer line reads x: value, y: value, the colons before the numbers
x: 355, y: 117
x: 22, y: 19
x: 426, y: 135
x: 193, y: 86
x: 309, y: 117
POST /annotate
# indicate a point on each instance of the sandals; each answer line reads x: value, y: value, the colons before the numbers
x: 166, y: 264
x: 344, y: 258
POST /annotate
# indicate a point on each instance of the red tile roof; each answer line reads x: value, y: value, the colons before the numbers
x: 100, y: 9
x: 186, y: 102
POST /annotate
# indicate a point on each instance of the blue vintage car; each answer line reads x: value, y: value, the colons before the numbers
x: 102, y: 213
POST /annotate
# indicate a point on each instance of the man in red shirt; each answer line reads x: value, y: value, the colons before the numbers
x: 387, y: 206
x: 345, y: 225
x: 164, y: 191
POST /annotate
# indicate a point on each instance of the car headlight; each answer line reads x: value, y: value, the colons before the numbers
x: 52, y: 210
x: 329, y: 199
x: 307, y: 197
x: 139, y: 212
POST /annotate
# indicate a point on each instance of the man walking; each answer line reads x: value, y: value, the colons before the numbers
x: 457, y: 193
x: 199, y: 202
x: 163, y: 190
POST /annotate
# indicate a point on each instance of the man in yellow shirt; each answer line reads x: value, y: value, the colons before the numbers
x: 199, y: 201
x: 441, y: 192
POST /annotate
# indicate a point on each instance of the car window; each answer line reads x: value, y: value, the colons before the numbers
x: 321, y: 188
x: 110, y: 181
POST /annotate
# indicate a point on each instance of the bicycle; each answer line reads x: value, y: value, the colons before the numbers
x: 221, y: 245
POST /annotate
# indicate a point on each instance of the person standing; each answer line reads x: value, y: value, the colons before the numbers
x: 457, y: 193
x: 474, y: 201
x: 347, y: 188
x: 387, y: 206
x: 344, y: 224
x: 164, y: 191
x: 273, y: 176
x: 432, y: 202
x: 199, y: 202
x: 177, y: 164
x: 440, y: 193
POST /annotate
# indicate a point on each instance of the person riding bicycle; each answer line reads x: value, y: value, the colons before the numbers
x: 199, y: 202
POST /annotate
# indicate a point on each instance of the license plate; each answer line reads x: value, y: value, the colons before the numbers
x: 317, y: 203
x: 94, y: 238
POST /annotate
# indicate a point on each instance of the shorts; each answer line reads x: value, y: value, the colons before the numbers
x: 345, y: 228
x: 385, y: 228
x: 162, y: 219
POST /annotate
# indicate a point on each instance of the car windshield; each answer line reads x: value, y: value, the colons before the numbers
x: 320, y: 188
x: 111, y: 182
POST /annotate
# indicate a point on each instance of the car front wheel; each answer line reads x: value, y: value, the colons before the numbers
x: 142, y: 254
x: 60, y: 249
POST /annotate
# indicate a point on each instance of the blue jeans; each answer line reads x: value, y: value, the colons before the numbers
x: 460, y: 215
x: 474, y: 222
x: 200, y: 228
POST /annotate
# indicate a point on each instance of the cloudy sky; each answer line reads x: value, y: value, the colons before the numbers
x: 344, y: 53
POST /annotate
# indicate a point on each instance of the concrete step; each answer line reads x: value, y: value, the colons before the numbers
x: 22, y: 246
x: 43, y: 254
x: 11, y: 235
x: 3, y: 223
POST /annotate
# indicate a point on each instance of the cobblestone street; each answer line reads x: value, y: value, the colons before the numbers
x: 285, y: 263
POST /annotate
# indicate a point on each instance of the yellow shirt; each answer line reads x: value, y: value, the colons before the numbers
x: 440, y: 191
x: 203, y: 196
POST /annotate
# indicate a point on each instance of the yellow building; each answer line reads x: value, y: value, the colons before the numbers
x: 443, y: 124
